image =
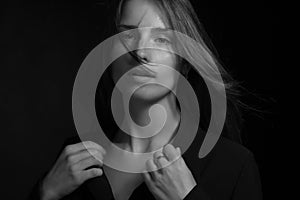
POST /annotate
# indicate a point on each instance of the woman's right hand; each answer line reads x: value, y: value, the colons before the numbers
x: 70, y: 169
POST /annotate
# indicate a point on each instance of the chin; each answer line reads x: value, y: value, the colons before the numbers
x: 151, y: 92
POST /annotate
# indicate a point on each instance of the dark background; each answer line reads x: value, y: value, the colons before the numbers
x: 43, y: 45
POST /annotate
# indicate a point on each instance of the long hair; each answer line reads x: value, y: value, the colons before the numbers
x: 181, y: 17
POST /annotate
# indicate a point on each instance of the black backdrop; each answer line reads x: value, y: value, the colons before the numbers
x: 43, y: 45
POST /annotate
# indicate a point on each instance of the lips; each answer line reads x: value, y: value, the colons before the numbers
x: 143, y: 71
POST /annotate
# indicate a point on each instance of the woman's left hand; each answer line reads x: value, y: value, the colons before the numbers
x: 172, y: 182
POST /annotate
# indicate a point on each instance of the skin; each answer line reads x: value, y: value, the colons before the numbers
x: 69, y: 171
x: 172, y: 182
x: 154, y: 45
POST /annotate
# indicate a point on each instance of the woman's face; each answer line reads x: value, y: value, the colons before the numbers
x: 153, y: 45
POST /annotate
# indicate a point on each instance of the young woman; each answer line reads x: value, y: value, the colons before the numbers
x: 229, y: 171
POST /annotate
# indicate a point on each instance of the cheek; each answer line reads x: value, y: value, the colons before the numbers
x: 120, y: 65
x: 165, y: 58
x: 167, y: 75
x: 115, y: 69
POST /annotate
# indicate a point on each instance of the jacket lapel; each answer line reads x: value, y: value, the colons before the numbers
x: 99, y: 187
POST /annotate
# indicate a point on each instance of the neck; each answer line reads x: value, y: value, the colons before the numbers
x: 139, y: 111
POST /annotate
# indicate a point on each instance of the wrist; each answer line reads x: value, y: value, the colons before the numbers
x: 47, y: 193
x: 189, y: 188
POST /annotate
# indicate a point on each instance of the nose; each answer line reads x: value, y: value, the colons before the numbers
x: 141, y: 51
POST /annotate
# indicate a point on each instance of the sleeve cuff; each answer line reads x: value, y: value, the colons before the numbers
x: 196, y: 193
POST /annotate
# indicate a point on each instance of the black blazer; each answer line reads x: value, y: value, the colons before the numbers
x: 229, y: 171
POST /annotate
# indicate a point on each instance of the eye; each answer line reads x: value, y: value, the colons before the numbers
x: 162, y: 40
x: 127, y: 35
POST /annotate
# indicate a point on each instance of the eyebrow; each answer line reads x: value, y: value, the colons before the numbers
x: 128, y: 27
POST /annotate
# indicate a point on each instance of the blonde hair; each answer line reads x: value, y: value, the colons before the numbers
x: 181, y: 17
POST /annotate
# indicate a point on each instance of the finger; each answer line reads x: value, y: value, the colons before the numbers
x: 148, y: 180
x: 162, y: 162
x: 91, y: 144
x: 88, y: 162
x: 153, y: 187
x: 152, y: 169
x: 88, y: 174
x: 170, y: 152
x: 74, y: 148
x: 147, y: 177
x: 75, y: 158
x: 159, y: 159
x: 178, y: 151
x: 150, y: 165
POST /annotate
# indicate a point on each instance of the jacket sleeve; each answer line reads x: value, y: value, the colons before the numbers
x: 197, y: 193
x: 79, y: 194
x: 248, y: 186
x: 35, y: 193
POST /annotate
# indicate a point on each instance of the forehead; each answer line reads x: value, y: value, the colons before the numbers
x: 142, y: 13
